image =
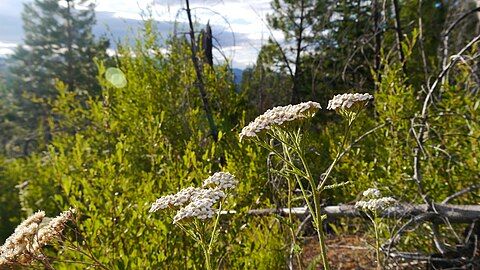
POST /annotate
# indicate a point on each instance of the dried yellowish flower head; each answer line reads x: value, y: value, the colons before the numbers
x: 53, y: 230
x: 25, y: 244
x: 16, y: 247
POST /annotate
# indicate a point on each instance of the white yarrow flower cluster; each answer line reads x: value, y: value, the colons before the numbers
x: 175, y: 200
x: 279, y: 116
x: 376, y: 201
x: 221, y: 180
x: 197, y: 202
x: 347, y: 101
x: 201, y: 209
x: 372, y: 192
x: 376, y: 204
x: 25, y: 244
x: 185, y: 196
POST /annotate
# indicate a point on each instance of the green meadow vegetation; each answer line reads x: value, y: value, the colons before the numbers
x: 109, y: 146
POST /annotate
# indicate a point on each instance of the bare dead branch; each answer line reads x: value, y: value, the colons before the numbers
x: 437, y: 239
x: 453, y: 61
x: 422, y: 212
x: 275, y: 41
x: 363, y: 136
x: 378, y: 40
x: 424, y: 117
x: 399, y: 35
x: 461, y: 192
x: 461, y: 18
x: 421, y: 257
x: 198, y: 71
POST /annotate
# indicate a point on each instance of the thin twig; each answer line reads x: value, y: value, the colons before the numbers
x: 453, y: 61
x: 363, y: 136
x: 424, y: 116
x: 460, y: 193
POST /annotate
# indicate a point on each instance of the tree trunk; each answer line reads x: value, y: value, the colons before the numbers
x: 198, y: 71
x: 296, y: 96
x: 69, y: 57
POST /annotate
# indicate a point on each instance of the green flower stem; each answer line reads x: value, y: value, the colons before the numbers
x: 207, y: 249
x: 284, y: 137
x: 293, y: 140
x: 377, y: 245
x: 188, y: 232
x: 321, y: 235
x: 203, y: 244
x: 206, y: 253
x: 290, y: 216
x: 299, y: 181
x: 376, y: 223
x: 295, y: 171
x: 338, y: 156
x: 198, y: 232
x: 317, y: 215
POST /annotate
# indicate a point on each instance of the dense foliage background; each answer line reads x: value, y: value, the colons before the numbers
x: 71, y: 138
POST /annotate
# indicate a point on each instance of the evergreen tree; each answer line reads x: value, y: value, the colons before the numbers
x: 264, y: 83
x: 295, y: 19
x: 346, y: 51
x: 59, y: 45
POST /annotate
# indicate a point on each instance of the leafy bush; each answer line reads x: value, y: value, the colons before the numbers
x: 112, y: 156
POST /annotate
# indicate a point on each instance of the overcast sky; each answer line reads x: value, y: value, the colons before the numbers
x: 238, y: 25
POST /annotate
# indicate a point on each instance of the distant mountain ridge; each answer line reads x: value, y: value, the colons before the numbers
x: 3, y: 65
x: 237, y: 75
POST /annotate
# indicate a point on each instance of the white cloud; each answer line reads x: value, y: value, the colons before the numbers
x: 5, y: 51
x: 7, y: 48
x: 244, y: 18
x: 111, y: 52
x: 7, y: 44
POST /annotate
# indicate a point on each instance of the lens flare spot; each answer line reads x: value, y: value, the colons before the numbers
x: 116, y: 77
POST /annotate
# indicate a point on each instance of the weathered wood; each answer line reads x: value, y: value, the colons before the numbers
x: 454, y: 213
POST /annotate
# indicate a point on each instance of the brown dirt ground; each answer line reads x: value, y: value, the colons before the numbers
x: 346, y: 252
x: 349, y: 252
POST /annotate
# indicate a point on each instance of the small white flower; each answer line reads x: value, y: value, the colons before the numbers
x: 214, y: 194
x: 197, y: 202
x: 372, y: 192
x: 347, y: 101
x: 222, y: 180
x: 279, y: 116
x: 201, y: 209
x: 376, y: 204
x: 175, y: 200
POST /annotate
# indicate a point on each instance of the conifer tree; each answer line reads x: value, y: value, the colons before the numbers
x: 302, y: 23
x: 58, y: 45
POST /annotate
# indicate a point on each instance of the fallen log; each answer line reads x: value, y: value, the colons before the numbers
x: 454, y: 213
